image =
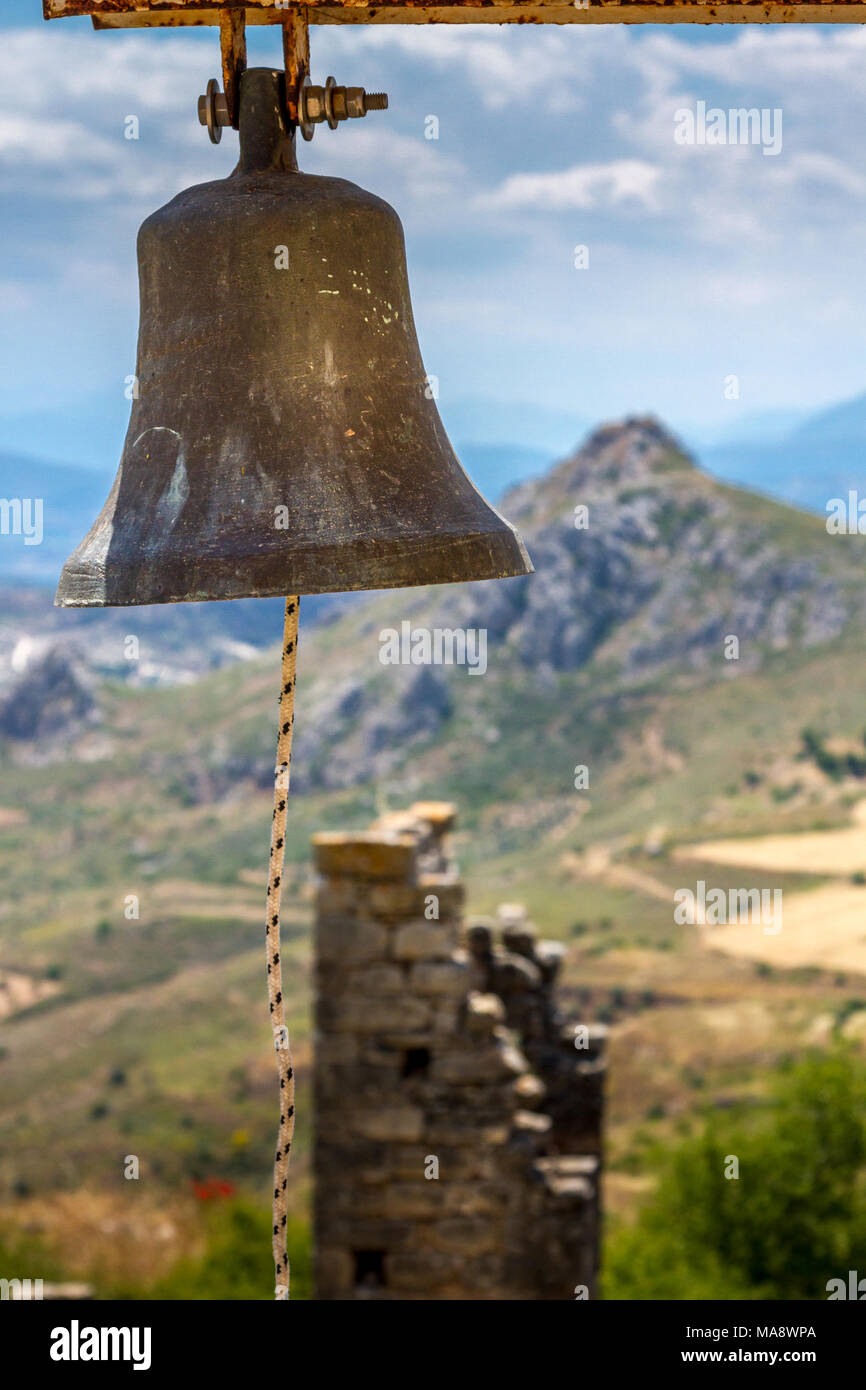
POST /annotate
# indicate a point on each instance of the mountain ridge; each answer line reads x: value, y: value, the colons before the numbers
x: 668, y: 565
x: 609, y: 659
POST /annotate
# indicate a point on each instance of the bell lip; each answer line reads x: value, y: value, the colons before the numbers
x: 500, y: 554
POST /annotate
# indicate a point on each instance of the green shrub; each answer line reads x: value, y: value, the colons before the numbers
x: 794, y: 1218
x: 237, y: 1261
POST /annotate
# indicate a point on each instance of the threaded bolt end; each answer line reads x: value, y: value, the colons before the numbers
x: 375, y: 101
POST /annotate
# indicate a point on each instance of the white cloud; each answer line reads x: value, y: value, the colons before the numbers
x: 65, y: 100
x: 33, y: 141
x: 549, y: 65
x: 702, y: 260
x: 582, y: 186
x: 819, y: 170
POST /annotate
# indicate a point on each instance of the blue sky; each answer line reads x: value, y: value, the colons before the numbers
x: 704, y: 262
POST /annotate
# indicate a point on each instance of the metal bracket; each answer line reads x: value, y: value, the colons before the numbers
x: 233, y: 48
x: 307, y: 105
x: 314, y: 105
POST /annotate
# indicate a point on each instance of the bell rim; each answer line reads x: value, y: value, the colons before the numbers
x: 369, y: 566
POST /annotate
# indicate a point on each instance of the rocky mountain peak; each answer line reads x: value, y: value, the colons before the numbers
x: 634, y: 452
x: 626, y: 450
x: 645, y: 567
x: 53, y: 692
x: 645, y: 561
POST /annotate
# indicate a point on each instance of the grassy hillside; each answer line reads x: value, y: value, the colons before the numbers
x: 147, y: 1035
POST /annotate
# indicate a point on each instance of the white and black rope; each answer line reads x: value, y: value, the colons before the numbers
x: 275, y: 974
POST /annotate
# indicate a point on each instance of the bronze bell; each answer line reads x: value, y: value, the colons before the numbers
x: 283, y: 439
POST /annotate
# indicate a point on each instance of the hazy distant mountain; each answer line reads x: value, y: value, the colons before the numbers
x: 178, y: 642
x: 819, y: 458
x: 753, y: 427
x: 843, y: 426
x: 70, y: 499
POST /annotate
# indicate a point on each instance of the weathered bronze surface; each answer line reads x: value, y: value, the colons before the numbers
x: 283, y: 439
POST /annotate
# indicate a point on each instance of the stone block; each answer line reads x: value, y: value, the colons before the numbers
x: 381, y: 1059
x: 407, y: 1162
x: 512, y: 914
x: 392, y: 902
x: 568, y: 1178
x: 513, y: 974
x: 335, y: 1081
x: 422, y: 1270
x: 520, y: 939
x: 527, y: 1122
x: 415, y: 1201
x: 446, y: 1017
x: 529, y: 1090
x: 345, y: 1152
x: 479, y: 938
x: 484, y: 1013
x: 352, y: 941
x: 335, y: 1050
x: 420, y: 1037
x: 354, y: 1014
x: 403, y: 1124
x: 549, y: 956
x: 369, y: 855
x: 400, y: 823
x: 470, y: 1160
x: 447, y: 888
x: 466, y: 1235
x: 422, y: 940
x: 377, y: 980
x: 334, y: 1269
x: 440, y: 815
x: 530, y: 1135
x: 488, y: 1199
x: 340, y: 897
x: 373, y: 1177
x: 478, y: 1066
x: 366, y: 1233
x: 467, y: 1132
x: 442, y: 978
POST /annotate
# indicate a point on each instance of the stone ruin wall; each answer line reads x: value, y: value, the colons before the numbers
x: 439, y: 1047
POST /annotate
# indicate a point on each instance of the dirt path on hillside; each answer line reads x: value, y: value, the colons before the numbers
x: 841, y: 851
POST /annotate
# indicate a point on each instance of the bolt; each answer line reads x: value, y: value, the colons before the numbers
x: 213, y: 111
x: 314, y: 100
x: 315, y: 104
x: 334, y: 104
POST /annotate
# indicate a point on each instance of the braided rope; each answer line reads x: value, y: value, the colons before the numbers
x: 275, y: 974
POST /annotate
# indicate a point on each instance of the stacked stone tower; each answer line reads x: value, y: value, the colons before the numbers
x: 457, y: 1123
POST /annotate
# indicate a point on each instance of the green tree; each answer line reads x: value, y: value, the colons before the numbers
x: 793, y: 1218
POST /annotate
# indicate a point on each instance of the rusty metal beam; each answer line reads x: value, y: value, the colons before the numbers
x: 233, y: 49
x: 296, y: 54
x: 132, y: 14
